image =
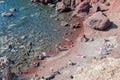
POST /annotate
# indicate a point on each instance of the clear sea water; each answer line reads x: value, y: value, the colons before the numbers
x: 31, y: 21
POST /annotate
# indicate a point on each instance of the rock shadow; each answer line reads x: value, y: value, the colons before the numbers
x: 113, y: 26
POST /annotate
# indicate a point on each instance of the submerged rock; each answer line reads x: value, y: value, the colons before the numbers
x: 12, y: 9
x: 5, y: 14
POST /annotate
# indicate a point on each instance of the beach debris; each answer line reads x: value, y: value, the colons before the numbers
x: 107, y: 46
x: 5, y: 14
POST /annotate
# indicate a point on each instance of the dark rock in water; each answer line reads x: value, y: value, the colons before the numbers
x: 5, y: 14
x: 97, y: 21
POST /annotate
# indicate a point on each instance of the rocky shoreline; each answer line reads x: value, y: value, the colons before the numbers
x: 83, y: 13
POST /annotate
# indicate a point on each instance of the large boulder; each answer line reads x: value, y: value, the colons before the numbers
x: 61, y: 7
x: 97, y: 21
x: 82, y: 8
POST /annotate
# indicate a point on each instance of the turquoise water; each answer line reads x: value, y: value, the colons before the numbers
x: 31, y: 21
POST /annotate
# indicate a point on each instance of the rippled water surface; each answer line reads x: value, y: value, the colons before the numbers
x: 30, y: 27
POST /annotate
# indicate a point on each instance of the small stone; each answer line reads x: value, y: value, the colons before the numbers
x: 52, y: 76
x: 63, y: 23
x: 51, y: 5
x: 22, y: 37
x: 36, y: 64
x: 22, y: 47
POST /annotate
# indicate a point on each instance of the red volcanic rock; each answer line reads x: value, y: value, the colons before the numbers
x: 97, y: 21
x: 94, y: 8
x: 60, y: 7
x: 82, y: 9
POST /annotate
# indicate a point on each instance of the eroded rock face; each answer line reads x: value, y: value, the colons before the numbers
x: 61, y: 7
x: 97, y: 21
x: 5, y: 69
x: 5, y: 73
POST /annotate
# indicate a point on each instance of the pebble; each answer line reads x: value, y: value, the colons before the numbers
x: 22, y: 37
x: 22, y: 47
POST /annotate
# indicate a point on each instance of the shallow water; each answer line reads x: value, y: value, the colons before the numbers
x: 30, y: 25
